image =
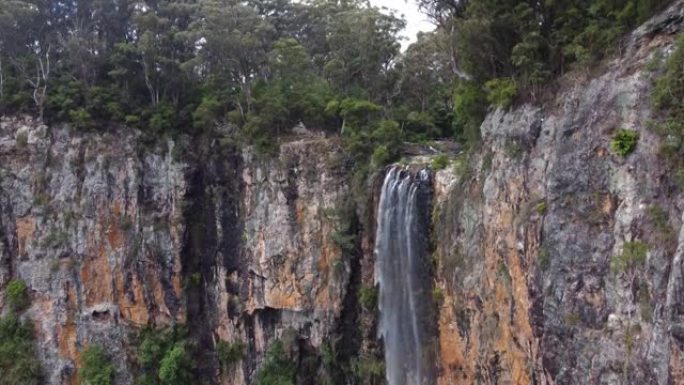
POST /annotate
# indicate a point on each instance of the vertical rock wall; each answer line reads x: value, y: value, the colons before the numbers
x: 528, y: 235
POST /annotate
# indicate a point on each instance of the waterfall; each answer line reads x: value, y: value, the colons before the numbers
x: 402, y: 273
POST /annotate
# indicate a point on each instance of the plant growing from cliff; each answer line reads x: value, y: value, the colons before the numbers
x: 659, y: 219
x: 438, y: 296
x: 469, y: 109
x: 439, y: 162
x: 541, y: 207
x: 544, y: 258
x: 668, y: 90
x: 645, y: 305
x: 230, y: 353
x: 55, y: 239
x: 175, y: 368
x: 17, y: 295
x: 19, y: 364
x: 368, y: 297
x: 97, y: 368
x: 345, y: 236
x: 163, y: 351
x: 513, y: 148
x: 503, y: 272
x: 369, y: 370
x: 633, y: 256
x: 501, y: 91
x: 381, y: 156
x: 195, y: 279
x: 624, y: 142
x: 278, y: 368
x: 668, y: 98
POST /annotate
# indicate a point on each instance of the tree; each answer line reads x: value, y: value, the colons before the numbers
x: 176, y: 366
x: 235, y: 41
x: 97, y: 368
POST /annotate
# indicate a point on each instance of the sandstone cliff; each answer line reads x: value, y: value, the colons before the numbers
x: 113, y: 232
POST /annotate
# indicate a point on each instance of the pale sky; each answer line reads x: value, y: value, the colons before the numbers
x: 415, y: 21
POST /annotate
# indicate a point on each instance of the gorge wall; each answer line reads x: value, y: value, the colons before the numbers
x: 113, y: 233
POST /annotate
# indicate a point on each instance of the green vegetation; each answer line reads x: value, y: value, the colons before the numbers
x: 97, y: 368
x: 503, y: 272
x: 541, y: 208
x: 660, y: 221
x: 544, y: 258
x: 369, y: 370
x: 264, y: 66
x: 278, y: 368
x: 527, y: 43
x: 438, y: 296
x: 513, y: 148
x: 56, y: 238
x: 624, y: 142
x: 18, y: 359
x: 645, y: 305
x: 230, y: 353
x: 439, y: 162
x: 175, y: 367
x: 633, y: 257
x: 500, y: 92
x: 668, y: 97
x: 368, y: 297
x: 345, y: 236
x: 17, y: 295
x: 164, y: 357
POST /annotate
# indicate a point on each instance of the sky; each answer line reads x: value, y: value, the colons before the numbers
x: 415, y: 21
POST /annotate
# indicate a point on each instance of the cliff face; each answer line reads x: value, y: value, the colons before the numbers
x: 529, y: 238
x: 95, y: 228
x: 113, y: 234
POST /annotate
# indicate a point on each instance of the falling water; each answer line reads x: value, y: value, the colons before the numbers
x: 402, y: 274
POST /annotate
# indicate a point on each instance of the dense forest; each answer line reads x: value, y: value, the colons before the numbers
x: 263, y: 66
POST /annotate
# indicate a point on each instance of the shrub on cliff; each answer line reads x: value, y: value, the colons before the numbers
x: 278, y: 368
x: 624, y: 142
x: 230, y: 353
x: 633, y: 256
x: 175, y: 368
x: 19, y: 364
x: 97, y: 368
x: 440, y: 162
x: 501, y: 91
x: 164, y: 357
x: 17, y: 295
x: 668, y: 98
x: 368, y: 297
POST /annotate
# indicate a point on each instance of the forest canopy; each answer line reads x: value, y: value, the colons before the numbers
x: 264, y: 66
